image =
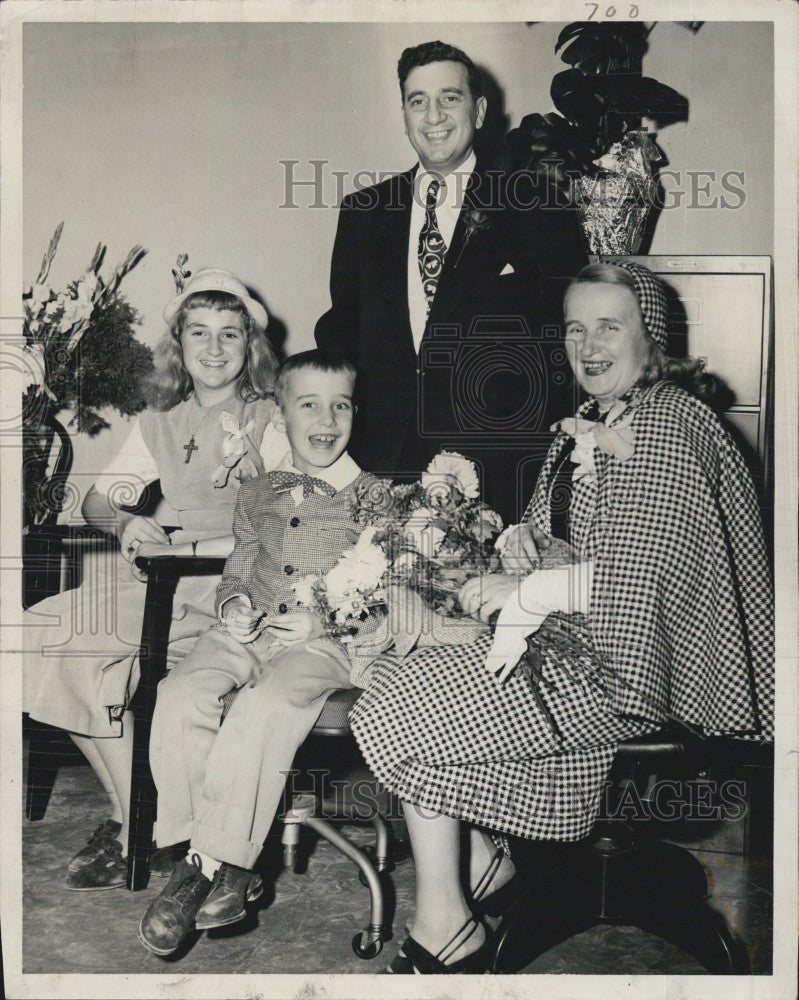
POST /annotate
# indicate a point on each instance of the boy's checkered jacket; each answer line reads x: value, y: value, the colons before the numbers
x: 278, y: 542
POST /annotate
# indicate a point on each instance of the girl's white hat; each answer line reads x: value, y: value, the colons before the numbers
x: 214, y: 280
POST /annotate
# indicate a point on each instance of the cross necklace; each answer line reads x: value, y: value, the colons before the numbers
x: 191, y: 447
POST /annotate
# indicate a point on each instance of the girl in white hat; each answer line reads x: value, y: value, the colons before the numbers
x: 206, y: 430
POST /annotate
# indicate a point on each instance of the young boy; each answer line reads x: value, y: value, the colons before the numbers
x: 219, y: 785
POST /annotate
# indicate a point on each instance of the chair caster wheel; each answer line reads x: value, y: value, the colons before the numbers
x: 365, y: 946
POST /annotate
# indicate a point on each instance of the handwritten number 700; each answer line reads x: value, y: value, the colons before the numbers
x: 611, y: 11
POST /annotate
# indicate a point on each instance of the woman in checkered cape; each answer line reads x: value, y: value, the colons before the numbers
x: 666, y: 609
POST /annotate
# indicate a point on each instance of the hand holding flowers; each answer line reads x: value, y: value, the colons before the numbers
x: 241, y: 619
x: 482, y: 596
x: 420, y: 543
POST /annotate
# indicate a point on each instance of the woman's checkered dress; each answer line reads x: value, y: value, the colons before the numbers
x: 440, y: 731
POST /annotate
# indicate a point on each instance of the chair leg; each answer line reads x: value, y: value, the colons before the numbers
x: 302, y: 806
x: 143, y: 797
x: 558, y: 905
x: 43, y: 744
x: 152, y: 667
x: 702, y: 932
x: 659, y: 888
x: 369, y: 942
x: 382, y: 859
x: 662, y: 889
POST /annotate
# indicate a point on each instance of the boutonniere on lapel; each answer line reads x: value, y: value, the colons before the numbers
x: 475, y: 221
x: 617, y: 441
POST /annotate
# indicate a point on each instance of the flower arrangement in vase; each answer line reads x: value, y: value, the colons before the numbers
x: 81, y: 353
x: 596, y: 148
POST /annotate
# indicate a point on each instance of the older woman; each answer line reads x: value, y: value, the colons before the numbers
x: 666, y: 606
x: 207, y: 428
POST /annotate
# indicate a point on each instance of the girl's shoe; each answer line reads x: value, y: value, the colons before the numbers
x: 106, y: 833
x: 109, y: 870
x: 413, y: 959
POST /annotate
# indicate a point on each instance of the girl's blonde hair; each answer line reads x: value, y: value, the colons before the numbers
x: 171, y: 384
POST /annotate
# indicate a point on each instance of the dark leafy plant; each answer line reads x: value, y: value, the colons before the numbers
x: 81, y: 353
x: 107, y: 367
x: 601, y: 98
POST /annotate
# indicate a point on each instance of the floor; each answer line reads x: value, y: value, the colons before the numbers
x: 305, y: 921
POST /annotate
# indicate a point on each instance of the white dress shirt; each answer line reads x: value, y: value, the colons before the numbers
x: 447, y: 213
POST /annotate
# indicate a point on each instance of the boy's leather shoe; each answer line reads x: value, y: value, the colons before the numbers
x: 108, y: 870
x: 164, y: 859
x: 224, y: 904
x: 170, y: 917
x: 106, y: 833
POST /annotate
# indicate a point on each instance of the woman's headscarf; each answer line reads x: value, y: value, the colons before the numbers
x: 651, y: 299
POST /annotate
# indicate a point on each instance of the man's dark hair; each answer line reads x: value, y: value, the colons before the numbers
x: 319, y: 360
x: 430, y: 52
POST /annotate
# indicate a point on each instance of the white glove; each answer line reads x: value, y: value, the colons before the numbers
x: 566, y: 588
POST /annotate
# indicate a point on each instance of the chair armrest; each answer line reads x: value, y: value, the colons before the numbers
x: 168, y: 567
x: 52, y: 557
x: 163, y: 574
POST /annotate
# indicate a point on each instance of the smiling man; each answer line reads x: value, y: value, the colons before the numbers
x: 446, y: 283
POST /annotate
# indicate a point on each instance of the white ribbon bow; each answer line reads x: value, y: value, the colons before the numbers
x: 234, y: 448
x: 618, y: 441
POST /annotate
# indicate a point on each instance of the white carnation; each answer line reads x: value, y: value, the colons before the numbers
x: 448, y: 468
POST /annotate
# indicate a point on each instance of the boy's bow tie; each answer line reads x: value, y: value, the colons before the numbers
x: 282, y: 481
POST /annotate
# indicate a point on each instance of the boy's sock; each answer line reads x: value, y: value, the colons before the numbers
x: 209, y: 866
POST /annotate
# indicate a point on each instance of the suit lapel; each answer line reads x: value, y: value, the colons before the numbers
x: 459, y: 262
x: 390, y: 247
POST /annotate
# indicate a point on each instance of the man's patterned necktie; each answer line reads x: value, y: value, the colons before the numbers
x: 432, y: 248
x: 282, y: 481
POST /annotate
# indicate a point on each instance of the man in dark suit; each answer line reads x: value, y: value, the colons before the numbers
x: 446, y: 286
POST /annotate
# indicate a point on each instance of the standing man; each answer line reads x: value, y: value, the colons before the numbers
x: 446, y: 283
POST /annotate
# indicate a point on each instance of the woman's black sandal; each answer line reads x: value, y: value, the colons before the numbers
x: 482, y: 903
x: 496, y: 902
x: 413, y: 959
x: 480, y: 891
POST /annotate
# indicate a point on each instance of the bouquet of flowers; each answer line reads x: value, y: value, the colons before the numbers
x: 81, y: 345
x: 420, y: 543
x: 80, y: 351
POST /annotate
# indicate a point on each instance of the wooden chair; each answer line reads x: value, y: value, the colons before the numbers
x: 53, y: 558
